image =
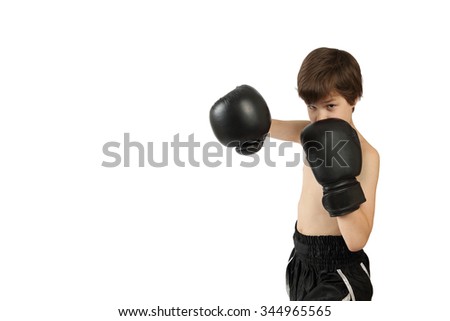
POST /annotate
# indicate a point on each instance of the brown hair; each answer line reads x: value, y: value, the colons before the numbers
x: 326, y: 70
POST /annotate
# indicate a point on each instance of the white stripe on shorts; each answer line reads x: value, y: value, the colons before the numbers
x: 347, y: 284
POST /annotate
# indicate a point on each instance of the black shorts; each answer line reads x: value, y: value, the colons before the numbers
x: 321, y: 268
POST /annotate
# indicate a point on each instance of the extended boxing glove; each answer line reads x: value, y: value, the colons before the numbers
x: 333, y: 152
x: 241, y: 119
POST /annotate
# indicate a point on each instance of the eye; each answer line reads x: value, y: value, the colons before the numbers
x: 311, y: 107
x: 331, y: 106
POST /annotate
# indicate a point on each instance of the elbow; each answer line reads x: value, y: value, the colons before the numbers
x: 356, y: 245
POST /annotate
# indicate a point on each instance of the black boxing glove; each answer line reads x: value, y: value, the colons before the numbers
x: 333, y: 152
x: 241, y: 119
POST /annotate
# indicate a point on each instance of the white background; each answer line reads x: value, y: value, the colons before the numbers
x: 78, y: 240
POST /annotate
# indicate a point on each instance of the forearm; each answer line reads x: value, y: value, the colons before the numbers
x: 355, y: 229
x: 288, y: 130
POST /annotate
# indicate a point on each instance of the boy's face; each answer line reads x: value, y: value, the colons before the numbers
x: 332, y: 106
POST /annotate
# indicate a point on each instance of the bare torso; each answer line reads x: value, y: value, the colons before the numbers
x: 313, y: 219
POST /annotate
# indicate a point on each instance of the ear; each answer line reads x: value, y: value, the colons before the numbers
x: 354, y: 103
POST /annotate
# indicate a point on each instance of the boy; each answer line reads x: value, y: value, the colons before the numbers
x: 337, y: 203
x: 328, y: 261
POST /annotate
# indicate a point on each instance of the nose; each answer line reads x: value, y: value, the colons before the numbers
x: 322, y: 114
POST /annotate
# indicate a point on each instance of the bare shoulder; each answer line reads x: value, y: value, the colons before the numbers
x: 369, y: 152
x: 369, y: 177
x: 371, y: 159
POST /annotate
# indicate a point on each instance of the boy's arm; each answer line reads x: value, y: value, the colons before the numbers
x: 357, y: 226
x: 288, y: 130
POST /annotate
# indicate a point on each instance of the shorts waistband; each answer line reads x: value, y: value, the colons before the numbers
x: 327, y: 250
